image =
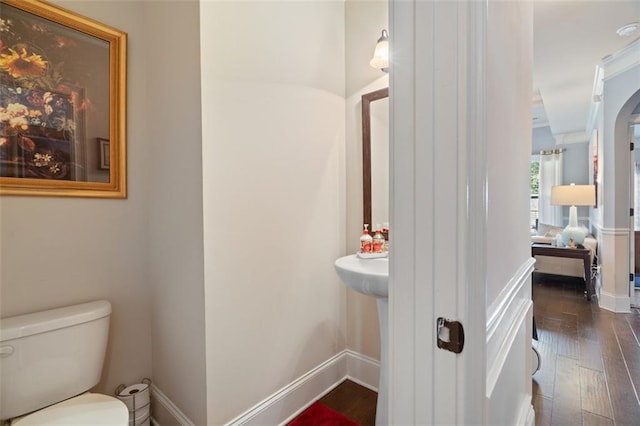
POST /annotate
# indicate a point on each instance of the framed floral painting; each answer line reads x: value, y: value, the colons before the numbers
x: 62, y: 87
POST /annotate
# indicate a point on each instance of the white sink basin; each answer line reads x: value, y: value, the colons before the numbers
x: 371, y: 277
x: 366, y: 276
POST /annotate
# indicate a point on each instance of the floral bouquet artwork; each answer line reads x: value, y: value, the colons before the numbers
x: 42, y: 103
x: 37, y: 134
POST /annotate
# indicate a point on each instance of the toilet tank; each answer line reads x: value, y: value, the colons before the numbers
x: 49, y: 356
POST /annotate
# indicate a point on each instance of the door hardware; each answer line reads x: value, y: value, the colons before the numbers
x: 450, y: 335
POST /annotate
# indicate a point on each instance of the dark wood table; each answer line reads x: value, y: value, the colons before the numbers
x: 573, y: 253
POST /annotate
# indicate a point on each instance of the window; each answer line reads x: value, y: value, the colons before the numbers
x: 535, y: 185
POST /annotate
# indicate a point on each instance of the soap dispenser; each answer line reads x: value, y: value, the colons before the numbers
x: 378, y: 240
x: 387, y: 237
x: 366, y: 241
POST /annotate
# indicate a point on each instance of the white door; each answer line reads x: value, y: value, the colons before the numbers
x: 460, y: 111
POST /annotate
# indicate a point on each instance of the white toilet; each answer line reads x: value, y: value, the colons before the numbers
x: 48, y: 362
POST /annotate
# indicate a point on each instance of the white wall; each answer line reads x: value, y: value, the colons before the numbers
x: 61, y: 251
x: 274, y: 195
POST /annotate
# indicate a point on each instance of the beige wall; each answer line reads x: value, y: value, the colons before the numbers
x: 174, y: 147
x: 363, y: 335
x: 364, y: 23
x: 61, y: 251
x: 274, y: 195
x: 270, y: 173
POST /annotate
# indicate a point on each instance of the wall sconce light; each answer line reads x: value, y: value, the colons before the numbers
x: 380, y: 58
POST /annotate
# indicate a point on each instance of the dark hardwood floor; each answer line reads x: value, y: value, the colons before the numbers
x: 354, y: 402
x: 590, y: 372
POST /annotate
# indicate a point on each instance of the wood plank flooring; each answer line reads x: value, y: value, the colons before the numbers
x: 590, y: 372
x: 354, y: 402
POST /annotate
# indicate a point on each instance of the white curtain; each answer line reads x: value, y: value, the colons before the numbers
x: 550, y: 175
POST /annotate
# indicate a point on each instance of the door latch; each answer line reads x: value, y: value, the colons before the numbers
x: 450, y: 335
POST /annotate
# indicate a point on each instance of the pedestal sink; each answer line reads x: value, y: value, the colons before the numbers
x: 371, y: 277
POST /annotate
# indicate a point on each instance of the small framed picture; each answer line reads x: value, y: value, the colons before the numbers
x: 104, y: 149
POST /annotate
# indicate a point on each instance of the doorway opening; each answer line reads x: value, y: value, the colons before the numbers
x: 634, y: 135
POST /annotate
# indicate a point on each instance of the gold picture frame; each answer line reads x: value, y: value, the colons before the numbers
x: 62, y: 86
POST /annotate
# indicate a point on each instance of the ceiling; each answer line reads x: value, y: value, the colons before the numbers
x: 569, y: 39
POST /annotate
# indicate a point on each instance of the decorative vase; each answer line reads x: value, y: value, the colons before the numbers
x: 573, y: 232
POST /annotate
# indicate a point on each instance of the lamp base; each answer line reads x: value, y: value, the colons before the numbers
x: 573, y: 233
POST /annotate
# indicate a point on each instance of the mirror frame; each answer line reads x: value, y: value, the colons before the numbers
x: 367, y: 98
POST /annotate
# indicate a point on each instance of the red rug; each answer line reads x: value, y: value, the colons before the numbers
x: 319, y: 414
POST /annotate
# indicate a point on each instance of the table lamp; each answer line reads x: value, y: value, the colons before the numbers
x: 573, y: 195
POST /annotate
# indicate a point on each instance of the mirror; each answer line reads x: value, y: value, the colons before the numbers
x: 375, y: 158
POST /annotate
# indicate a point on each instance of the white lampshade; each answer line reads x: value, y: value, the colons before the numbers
x: 573, y: 195
x: 380, y: 58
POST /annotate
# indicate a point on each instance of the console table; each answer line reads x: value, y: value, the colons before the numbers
x: 573, y: 253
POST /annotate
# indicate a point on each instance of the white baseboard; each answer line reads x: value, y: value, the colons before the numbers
x: 363, y: 370
x: 613, y: 303
x: 285, y: 404
x: 289, y: 401
x: 165, y: 410
x: 528, y: 416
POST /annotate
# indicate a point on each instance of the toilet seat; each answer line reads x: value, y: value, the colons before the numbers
x: 85, y: 409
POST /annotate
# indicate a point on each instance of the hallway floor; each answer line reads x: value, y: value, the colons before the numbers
x: 590, y: 371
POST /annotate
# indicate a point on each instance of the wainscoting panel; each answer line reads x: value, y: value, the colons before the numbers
x: 613, y: 252
x: 509, y: 331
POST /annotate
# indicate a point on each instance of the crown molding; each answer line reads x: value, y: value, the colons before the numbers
x: 570, y: 138
x: 596, y: 98
x: 622, y: 60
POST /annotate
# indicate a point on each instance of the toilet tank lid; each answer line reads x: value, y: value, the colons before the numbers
x: 52, y: 319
